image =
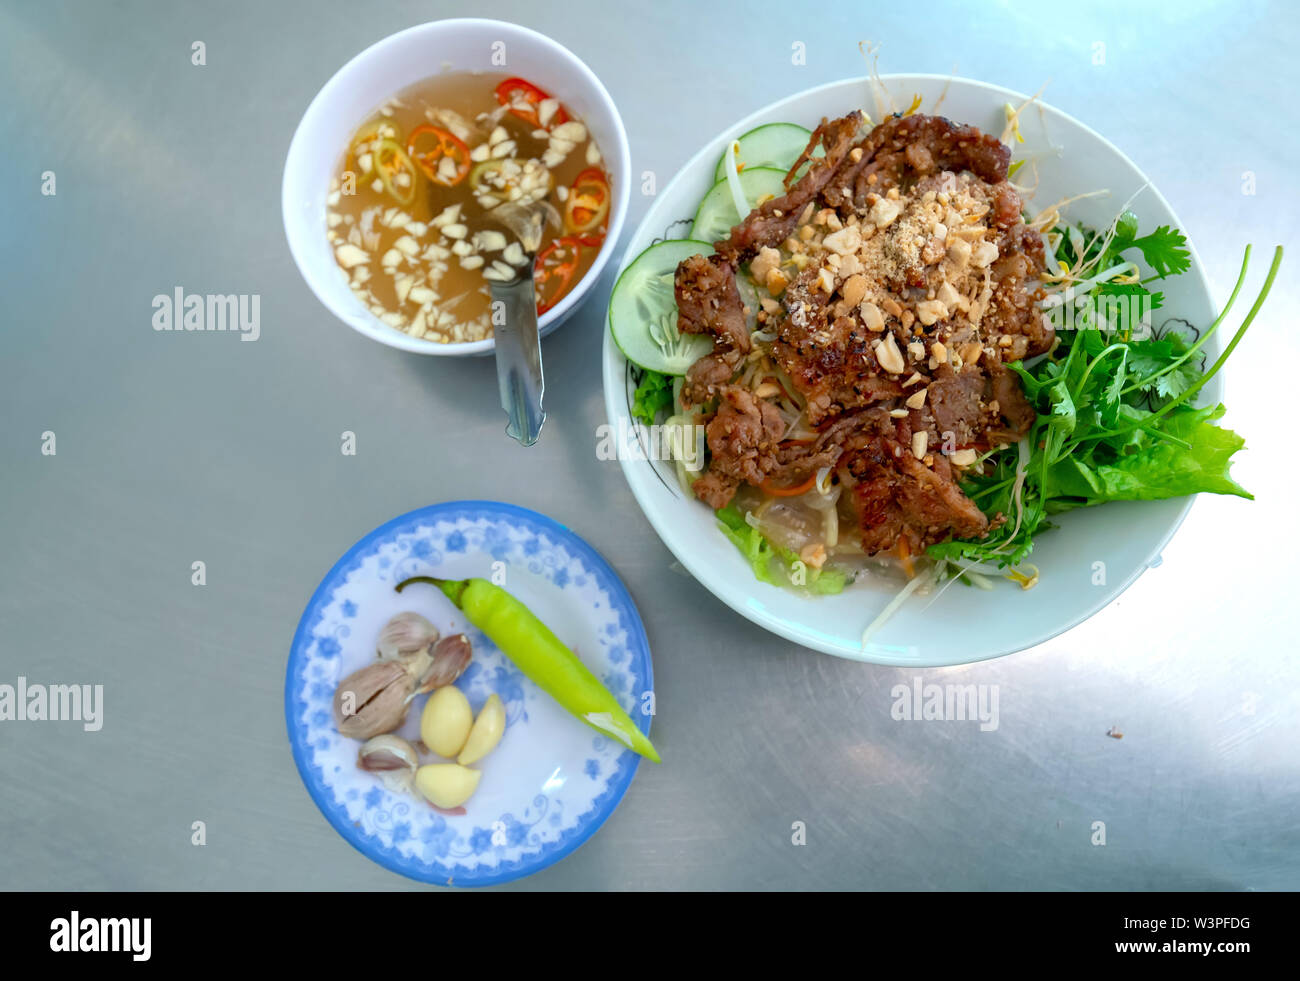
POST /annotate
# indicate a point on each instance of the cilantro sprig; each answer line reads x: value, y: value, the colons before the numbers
x: 1165, y: 250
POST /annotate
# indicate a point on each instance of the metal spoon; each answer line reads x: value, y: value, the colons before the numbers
x: 514, y: 320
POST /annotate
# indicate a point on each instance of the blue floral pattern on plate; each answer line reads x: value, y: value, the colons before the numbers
x: 531, y: 809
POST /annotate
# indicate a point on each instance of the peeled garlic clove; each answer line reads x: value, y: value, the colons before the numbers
x: 393, y: 758
x: 486, y: 733
x: 446, y: 784
x: 446, y: 721
x: 372, y: 700
x: 447, y: 661
x: 405, y: 633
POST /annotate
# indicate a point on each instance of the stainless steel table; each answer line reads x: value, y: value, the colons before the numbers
x: 177, y: 448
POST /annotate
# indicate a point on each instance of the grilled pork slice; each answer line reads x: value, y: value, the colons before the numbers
x: 709, y: 303
x: 742, y: 439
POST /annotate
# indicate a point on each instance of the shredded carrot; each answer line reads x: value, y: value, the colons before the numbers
x: 794, y: 491
x: 905, y: 556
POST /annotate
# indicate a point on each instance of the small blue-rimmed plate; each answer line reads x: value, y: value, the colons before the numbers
x: 552, y: 781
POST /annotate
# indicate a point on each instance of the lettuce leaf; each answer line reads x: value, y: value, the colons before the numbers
x: 1197, y: 463
x: 653, y: 395
x: 774, y: 564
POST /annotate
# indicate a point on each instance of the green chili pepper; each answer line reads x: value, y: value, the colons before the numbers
x: 390, y: 160
x: 481, y: 170
x: 542, y: 656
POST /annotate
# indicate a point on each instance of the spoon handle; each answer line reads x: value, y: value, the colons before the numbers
x: 519, y: 357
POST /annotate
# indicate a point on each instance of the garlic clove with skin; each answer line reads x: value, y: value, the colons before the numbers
x: 448, y: 659
x: 373, y: 700
x: 392, y: 758
x: 406, y: 633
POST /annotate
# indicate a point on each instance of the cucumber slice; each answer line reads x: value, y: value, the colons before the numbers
x: 717, y: 214
x: 643, y: 310
x: 774, y: 145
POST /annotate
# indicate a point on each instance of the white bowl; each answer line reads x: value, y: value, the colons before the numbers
x: 381, y: 71
x: 960, y: 624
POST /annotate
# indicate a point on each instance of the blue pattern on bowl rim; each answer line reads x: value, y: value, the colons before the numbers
x: 397, y: 830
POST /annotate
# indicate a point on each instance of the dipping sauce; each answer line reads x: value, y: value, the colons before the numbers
x: 414, y: 211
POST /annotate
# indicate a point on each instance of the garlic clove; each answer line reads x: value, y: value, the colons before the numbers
x: 392, y: 758
x: 446, y: 721
x: 486, y: 733
x: 447, y: 785
x: 372, y: 700
x: 387, y: 752
x: 405, y: 633
x: 447, y: 661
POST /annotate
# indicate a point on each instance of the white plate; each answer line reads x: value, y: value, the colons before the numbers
x: 552, y: 781
x: 1093, y: 556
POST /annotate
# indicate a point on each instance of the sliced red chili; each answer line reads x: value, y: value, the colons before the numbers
x: 513, y: 91
x: 428, y: 146
x: 592, y: 175
x: 554, y: 276
x: 586, y: 206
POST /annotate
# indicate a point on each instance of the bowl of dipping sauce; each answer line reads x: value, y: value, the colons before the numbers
x: 403, y: 164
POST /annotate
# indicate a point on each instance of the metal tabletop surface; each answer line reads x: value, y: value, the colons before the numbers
x: 173, y: 448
